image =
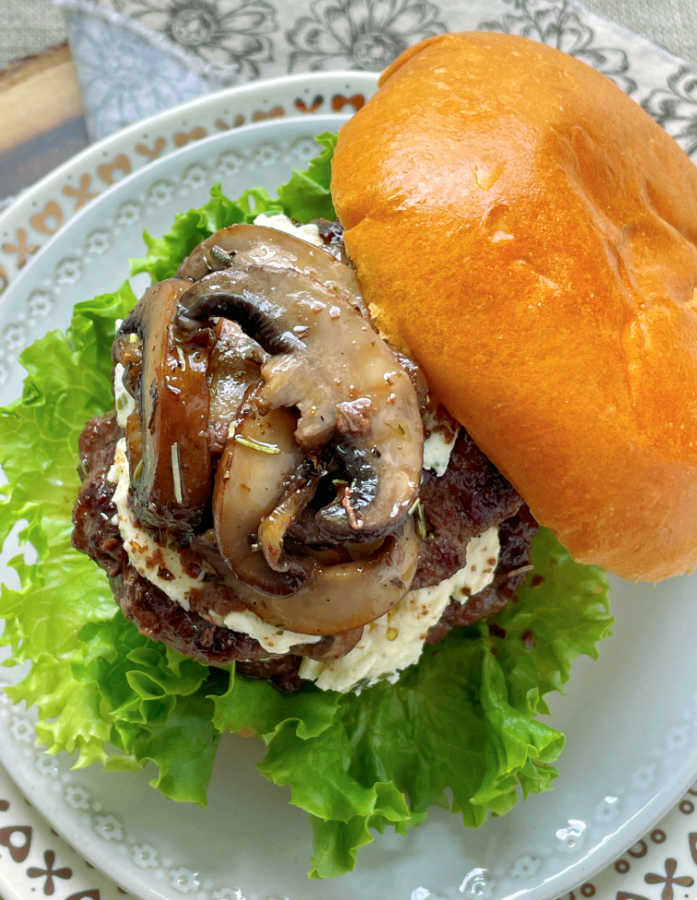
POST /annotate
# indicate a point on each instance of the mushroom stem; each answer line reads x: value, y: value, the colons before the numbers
x: 248, y: 489
x: 299, y: 491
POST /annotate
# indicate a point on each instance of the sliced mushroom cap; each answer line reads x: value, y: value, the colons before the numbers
x: 134, y: 443
x: 214, y: 601
x: 174, y: 481
x: 235, y: 365
x: 341, y: 597
x: 341, y: 590
x: 332, y: 646
x: 256, y: 463
x: 332, y: 366
x: 270, y: 248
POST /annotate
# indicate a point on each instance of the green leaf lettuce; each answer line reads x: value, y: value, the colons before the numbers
x: 461, y: 730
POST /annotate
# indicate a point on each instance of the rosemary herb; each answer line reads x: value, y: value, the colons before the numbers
x: 417, y: 510
x: 176, y: 473
x: 259, y: 446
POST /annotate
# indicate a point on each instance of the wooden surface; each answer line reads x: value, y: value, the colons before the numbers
x: 41, y: 115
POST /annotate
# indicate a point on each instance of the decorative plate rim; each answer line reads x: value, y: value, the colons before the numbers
x: 179, y: 111
x: 44, y: 209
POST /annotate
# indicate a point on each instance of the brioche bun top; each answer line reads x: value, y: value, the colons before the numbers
x: 527, y: 233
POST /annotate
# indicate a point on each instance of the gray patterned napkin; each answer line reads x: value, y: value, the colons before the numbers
x: 137, y: 57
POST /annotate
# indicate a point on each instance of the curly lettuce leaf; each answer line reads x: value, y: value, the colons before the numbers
x: 191, y: 227
x: 461, y: 729
x: 464, y: 719
x: 307, y: 194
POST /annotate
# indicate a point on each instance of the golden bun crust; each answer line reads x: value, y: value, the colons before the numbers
x: 528, y: 233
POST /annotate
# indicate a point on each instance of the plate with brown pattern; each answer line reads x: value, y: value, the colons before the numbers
x: 630, y: 717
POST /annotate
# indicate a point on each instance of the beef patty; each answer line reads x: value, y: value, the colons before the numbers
x: 469, y: 498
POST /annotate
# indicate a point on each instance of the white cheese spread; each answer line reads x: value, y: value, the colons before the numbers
x: 123, y: 402
x: 437, y: 452
x: 281, y: 222
x: 271, y: 637
x: 395, y: 640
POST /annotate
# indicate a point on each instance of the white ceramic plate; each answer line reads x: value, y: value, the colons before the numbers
x: 630, y: 718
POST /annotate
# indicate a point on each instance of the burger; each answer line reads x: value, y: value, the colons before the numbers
x: 259, y: 494
x: 357, y: 473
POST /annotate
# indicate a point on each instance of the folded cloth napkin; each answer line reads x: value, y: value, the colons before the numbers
x: 137, y: 57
